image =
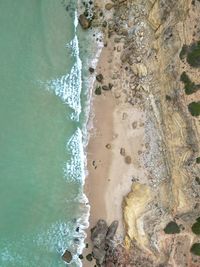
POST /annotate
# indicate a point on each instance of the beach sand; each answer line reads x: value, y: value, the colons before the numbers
x: 118, y: 129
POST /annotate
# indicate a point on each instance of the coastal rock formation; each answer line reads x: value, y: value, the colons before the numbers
x: 102, y: 239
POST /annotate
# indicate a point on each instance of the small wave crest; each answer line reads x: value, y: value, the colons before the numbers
x: 74, y: 168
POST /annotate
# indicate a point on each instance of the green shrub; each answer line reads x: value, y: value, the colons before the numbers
x: 195, y: 249
x: 194, y: 108
x: 198, y: 219
x: 196, y: 228
x: 172, y: 228
x: 193, y: 56
x: 198, y: 160
x: 190, y: 87
x: 183, y: 52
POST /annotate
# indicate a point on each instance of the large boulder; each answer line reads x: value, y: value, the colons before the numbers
x: 98, y: 233
x: 84, y: 22
x: 67, y: 256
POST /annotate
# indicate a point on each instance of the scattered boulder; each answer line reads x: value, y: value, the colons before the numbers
x: 91, y: 70
x: 110, y: 85
x: 109, y: 6
x: 67, y: 256
x: 89, y: 257
x: 108, y: 146
x: 122, y: 151
x: 134, y: 125
x: 99, y: 77
x: 105, y: 88
x: 84, y: 22
x: 128, y: 160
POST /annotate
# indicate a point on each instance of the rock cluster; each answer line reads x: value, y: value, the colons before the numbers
x: 102, y: 237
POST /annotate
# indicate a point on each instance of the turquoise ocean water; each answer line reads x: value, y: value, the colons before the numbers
x: 42, y: 112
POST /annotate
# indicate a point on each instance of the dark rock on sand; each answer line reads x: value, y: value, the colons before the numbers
x: 108, y: 146
x: 84, y: 22
x: 122, y: 151
x: 99, y: 78
x: 128, y: 160
x: 105, y: 88
x: 80, y: 257
x: 98, y: 90
x: 110, y: 85
x: 89, y: 257
x: 91, y: 70
x: 67, y: 256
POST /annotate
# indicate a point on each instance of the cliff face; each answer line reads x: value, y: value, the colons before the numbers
x: 173, y: 193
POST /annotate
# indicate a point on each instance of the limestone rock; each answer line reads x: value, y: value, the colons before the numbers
x: 139, y: 69
x: 84, y: 22
x: 105, y: 88
x: 109, y: 6
x: 67, y: 256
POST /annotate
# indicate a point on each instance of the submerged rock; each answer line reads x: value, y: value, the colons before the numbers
x: 67, y: 256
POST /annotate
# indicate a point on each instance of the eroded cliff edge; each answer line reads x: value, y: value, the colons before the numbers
x: 173, y: 193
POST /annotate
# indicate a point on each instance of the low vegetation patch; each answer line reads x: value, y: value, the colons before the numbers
x: 198, y: 160
x: 195, y: 249
x: 194, y: 108
x: 172, y: 228
x: 196, y: 227
x: 193, y: 55
x: 190, y: 87
x: 183, y: 52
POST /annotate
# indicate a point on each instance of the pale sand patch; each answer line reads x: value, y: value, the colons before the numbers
x: 121, y: 174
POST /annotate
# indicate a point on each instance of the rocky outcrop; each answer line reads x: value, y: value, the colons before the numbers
x: 102, y: 238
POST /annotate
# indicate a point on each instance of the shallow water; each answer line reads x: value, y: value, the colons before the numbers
x: 40, y: 138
